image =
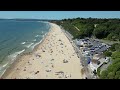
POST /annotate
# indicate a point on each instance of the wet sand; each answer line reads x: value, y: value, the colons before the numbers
x: 54, y: 58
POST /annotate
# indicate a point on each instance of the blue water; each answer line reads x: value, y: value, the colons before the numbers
x: 19, y: 36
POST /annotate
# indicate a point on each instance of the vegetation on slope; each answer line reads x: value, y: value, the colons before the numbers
x: 113, y: 70
x: 99, y: 28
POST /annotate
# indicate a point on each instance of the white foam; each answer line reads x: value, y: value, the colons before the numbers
x: 45, y: 22
x: 34, y: 40
x: 44, y: 35
x: 13, y: 56
x: 37, y: 35
x: 5, y: 65
x: 29, y: 45
x: 36, y: 44
x: 23, y: 42
x: 39, y: 21
x: 2, y: 73
x: 39, y: 41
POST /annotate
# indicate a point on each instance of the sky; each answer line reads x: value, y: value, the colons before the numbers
x: 58, y: 14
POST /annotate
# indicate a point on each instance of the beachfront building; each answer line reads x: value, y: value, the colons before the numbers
x: 97, y: 56
x: 92, y: 51
x: 97, y: 62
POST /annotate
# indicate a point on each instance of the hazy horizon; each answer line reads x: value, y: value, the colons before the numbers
x: 57, y: 15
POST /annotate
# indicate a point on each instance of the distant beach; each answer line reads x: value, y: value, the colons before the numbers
x: 53, y: 58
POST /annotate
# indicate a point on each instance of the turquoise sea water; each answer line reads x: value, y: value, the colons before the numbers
x: 17, y: 37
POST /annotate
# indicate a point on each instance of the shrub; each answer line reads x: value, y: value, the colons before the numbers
x: 98, y: 71
x: 107, y: 53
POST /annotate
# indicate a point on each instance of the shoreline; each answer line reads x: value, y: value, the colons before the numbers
x: 29, y: 55
x: 12, y: 64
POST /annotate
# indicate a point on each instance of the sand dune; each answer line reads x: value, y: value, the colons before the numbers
x: 54, y: 58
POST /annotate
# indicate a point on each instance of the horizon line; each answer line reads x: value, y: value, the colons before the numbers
x: 65, y: 18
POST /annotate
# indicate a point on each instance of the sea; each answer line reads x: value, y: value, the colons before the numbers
x: 17, y: 37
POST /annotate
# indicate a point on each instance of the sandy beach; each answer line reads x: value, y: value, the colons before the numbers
x: 54, y: 58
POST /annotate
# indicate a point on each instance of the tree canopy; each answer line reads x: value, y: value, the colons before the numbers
x: 100, y: 28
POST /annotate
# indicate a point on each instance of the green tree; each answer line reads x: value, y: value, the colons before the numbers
x: 109, y: 28
x: 117, y: 76
x: 116, y: 60
x: 100, y: 31
x: 110, y: 36
x: 117, y: 47
x: 104, y: 74
x: 112, y: 48
x: 116, y: 55
x: 111, y: 75
x: 107, y: 53
x: 98, y: 71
